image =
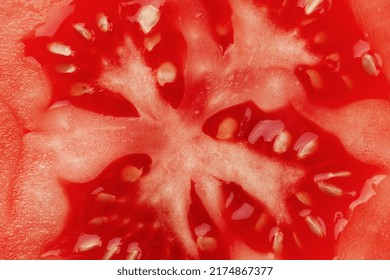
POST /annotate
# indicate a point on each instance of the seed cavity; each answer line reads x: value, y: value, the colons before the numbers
x: 207, y: 244
x: 103, y: 23
x: 152, y: 41
x: 315, y: 79
x: 133, y: 251
x: 166, y: 73
x: 330, y: 189
x: 306, y: 145
x: 148, y: 17
x: 87, y: 242
x: 370, y: 65
x: 316, y: 226
x: 304, y: 198
x: 60, y: 49
x: 79, y: 89
x: 84, y: 32
x: 244, y: 212
x: 66, y: 68
x: 113, y: 247
x: 131, y: 174
x: 227, y: 129
x: 282, y: 142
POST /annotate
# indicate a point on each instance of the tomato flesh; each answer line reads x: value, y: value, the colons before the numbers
x: 139, y: 62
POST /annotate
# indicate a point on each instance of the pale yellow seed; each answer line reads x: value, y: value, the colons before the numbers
x: 262, y: 222
x: 315, y: 79
x: 66, y: 68
x: 369, y: 65
x: 315, y: 226
x: 304, y: 198
x: 207, y: 244
x: 103, y: 23
x: 282, y: 142
x: 348, y: 82
x: 151, y: 42
x: 78, y: 89
x: 60, y: 49
x: 98, y: 221
x: 320, y: 38
x: 87, y: 243
x: 148, y: 17
x: 105, y: 198
x: 308, y: 149
x: 277, y: 245
x: 330, y: 189
x: 130, y: 174
x: 312, y: 5
x: 227, y: 129
x: 84, y: 32
x: 166, y: 73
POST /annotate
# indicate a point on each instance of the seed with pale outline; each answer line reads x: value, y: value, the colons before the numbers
x: 312, y: 5
x: 166, y: 73
x: 113, y: 247
x: 60, y: 49
x: 207, y: 243
x: 315, y: 79
x: 66, y: 68
x: 87, y: 242
x: 130, y: 173
x: 282, y: 142
x: 316, y: 226
x: 148, y: 17
x: 103, y: 23
x: 152, y: 41
x: 227, y: 129
x: 330, y: 189
x: 277, y: 245
x: 105, y: 197
x: 370, y: 65
x: 304, y: 198
x: 78, y: 89
x: 98, y: 221
x: 133, y: 251
x: 306, y: 145
x: 262, y: 222
x: 84, y: 32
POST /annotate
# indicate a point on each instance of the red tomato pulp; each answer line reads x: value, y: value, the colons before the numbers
x: 194, y: 129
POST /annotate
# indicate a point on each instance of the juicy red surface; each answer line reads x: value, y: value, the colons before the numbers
x: 125, y: 213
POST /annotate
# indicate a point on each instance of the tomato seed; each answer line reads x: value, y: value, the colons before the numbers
x: 103, y: 23
x: 60, y: 49
x: 227, y: 129
x: 316, y: 226
x: 84, y: 32
x: 66, y: 68
x: 282, y: 142
x: 148, y: 17
x: 330, y: 189
x: 166, y: 73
